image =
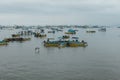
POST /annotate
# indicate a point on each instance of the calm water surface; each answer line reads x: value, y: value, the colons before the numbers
x: 100, y: 60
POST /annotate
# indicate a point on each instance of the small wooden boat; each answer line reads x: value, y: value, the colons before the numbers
x: 90, y: 31
x: 51, y: 31
x: 75, y: 37
x: 70, y: 32
x: 65, y: 37
x: 39, y: 35
x: 15, y: 35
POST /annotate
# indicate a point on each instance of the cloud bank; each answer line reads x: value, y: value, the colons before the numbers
x: 56, y: 12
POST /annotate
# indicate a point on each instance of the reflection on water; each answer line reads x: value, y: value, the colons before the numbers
x: 98, y: 61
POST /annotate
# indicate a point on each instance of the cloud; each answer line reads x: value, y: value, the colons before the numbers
x: 60, y: 10
x: 56, y: 6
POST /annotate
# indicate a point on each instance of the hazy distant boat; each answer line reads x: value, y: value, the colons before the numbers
x: 15, y: 35
x: 65, y: 37
x: 51, y: 31
x: 102, y: 29
x: 16, y: 39
x: 90, y: 31
x: 75, y: 37
x: 71, y: 31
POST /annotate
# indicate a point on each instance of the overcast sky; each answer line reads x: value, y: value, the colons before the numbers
x: 57, y: 12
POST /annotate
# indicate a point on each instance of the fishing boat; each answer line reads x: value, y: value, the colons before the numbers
x: 102, y: 29
x: 39, y: 35
x: 3, y: 43
x: 75, y: 37
x: 15, y: 35
x: 76, y: 44
x: 51, y: 44
x: 65, y: 37
x: 51, y: 31
x: 16, y: 39
x: 90, y: 31
x: 71, y: 31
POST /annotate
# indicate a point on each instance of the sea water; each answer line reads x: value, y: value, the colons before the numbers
x: 100, y: 60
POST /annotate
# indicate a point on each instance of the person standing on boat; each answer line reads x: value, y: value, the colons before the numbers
x: 48, y: 40
x: 82, y: 41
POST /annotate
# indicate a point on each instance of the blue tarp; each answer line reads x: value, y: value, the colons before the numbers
x: 71, y: 30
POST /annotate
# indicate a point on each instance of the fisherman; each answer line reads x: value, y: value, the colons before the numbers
x: 37, y: 49
x: 48, y: 40
x: 44, y: 41
x: 42, y: 31
x: 68, y: 44
x: 76, y: 40
x: 53, y: 31
x: 83, y: 41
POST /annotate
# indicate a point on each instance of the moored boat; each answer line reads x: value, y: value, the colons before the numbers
x: 70, y: 32
x: 75, y: 37
x: 15, y: 35
x: 90, y: 31
x: 16, y: 39
x: 3, y: 43
x: 102, y: 29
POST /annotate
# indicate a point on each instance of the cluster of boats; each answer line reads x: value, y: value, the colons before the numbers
x: 62, y: 42
x: 15, y: 37
x: 65, y: 43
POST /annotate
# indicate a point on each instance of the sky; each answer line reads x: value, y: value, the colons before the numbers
x: 59, y: 12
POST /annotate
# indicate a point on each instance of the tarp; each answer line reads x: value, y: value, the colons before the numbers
x: 71, y: 30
